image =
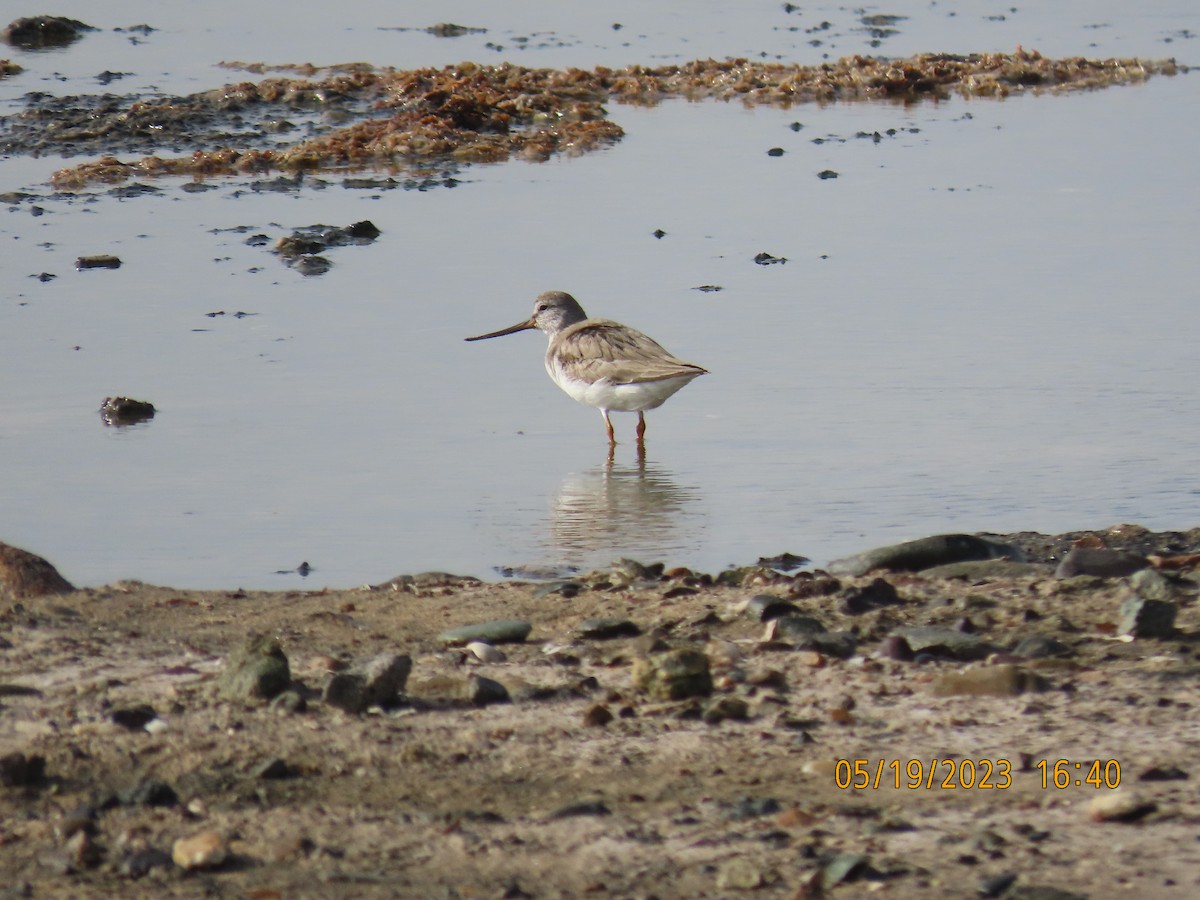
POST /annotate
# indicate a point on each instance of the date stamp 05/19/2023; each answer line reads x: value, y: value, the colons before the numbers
x: 973, y: 774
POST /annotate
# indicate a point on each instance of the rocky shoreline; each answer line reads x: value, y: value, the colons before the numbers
x: 963, y: 716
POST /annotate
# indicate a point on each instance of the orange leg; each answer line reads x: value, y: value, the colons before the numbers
x: 641, y: 428
x: 612, y: 437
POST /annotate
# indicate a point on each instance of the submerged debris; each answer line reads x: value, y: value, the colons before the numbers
x: 474, y: 113
x: 123, y: 411
x: 39, y: 32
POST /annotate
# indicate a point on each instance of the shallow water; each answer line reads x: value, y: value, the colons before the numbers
x: 987, y: 321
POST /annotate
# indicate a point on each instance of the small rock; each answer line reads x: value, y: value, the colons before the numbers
x: 149, y: 792
x: 794, y: 627
x: 765, y: 607
x: 134, y: 718
x: 996, y: 885
x: 22, y: 575
x: 19, y: 770
x: 205, y: 850
x: 896, y: 647
x: 1119, y: 806
x: 501, y: 631
x: 103, y: 261
x: 673, y: 674
x: 843, y: 867
x: 984, y: 569
x: 947, y: 642
x: 1100, y: 562
x: 859, y: 600
x: 1040, y: 646
x: 597, y: 716
x: 272, y: 769
x: 1151, y: 584
x: 739, y: 874
x: 605, y: 628
x: 258, y: 670
x: 486, y: 691
x: 586, y: 808
x: 139, y: 863
x: 289, y: 702
x: 988, y: 681
x: 1147, y: 618
x: 1163, y: 773
x: 840, y: 644
x: 485, y: 652
x: 724, y: 708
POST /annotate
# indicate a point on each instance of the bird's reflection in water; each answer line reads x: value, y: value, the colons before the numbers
x: 624, y: 510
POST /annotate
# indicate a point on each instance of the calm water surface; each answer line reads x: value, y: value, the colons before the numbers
x: 987, y: 321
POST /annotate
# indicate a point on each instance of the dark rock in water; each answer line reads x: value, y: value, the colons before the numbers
x: 673, y: 675
x: 1100, y: 562
x: 785, y: 562
x: 103, y: 261
x: 501, y: 631
x: 923, y: 553
x: 764, y: 607
x: 859, y: 600
x: 309, y: 266
x: 19, y: 770
x: 40, y: 32
x: 947, y: 642
x: 605, y: 628
x: 22, y: 574
x: 1147, y: 618
x: 123, y: 411
x: 258, y: 670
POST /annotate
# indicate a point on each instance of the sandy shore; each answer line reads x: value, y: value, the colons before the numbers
x: 561, y: 766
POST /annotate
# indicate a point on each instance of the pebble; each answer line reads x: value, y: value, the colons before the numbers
x: 149, y: 792
x: 258, y: 670
x: 896, y: 647
x: 377, y: 682
x: 859, y: 600
x: 19, y: 770
x: 1040, y: 646
x: 485, y: 652
x: 1119, y: 806
x: 205, y: 850
x: 22, y: 574
x: 791, y: 627
x: 1147, y: 618
x: 739, y: 874
x: 673, y: 674
x: 1100, y: 562
x: 134, y: 718
x: 840, y: 644
x: 924, y: 553
x: 765, y: 607
x: 597, y: 716
x: 139, y: 863
x: 486, y: 691
x: 948, y: 642
x: 988, y: 681
x: 606, y: 628
x: 724, y: 708
x: 501, y: 631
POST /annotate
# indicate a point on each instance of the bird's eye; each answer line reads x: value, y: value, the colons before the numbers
x: 541, y: 307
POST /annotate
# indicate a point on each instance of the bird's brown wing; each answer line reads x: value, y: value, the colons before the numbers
x: 602, y: 349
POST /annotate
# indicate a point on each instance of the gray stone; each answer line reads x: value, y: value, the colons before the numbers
x: 793, y: 627
x: 841, y: 644
x: 764, y: 607
x: 1100, y: 562
x: 483, y: 691
x: 501, y: 631
x: 924, y: 553
x: 673, y: 674
x: 941, y: 641
x: 859, y: 600
x: 1147, y: 618
x: 1039, y: 646
x: 258, y: 670
x: 1151, y: 584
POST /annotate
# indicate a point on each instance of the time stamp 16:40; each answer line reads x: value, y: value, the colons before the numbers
x: 972, y: 774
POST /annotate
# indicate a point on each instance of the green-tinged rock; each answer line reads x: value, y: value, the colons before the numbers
x: 258, y: 670
x: 945, y: 642
x: 501, y: 631
x: 673, y: 675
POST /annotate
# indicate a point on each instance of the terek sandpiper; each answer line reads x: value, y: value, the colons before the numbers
x: 603, y: 363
